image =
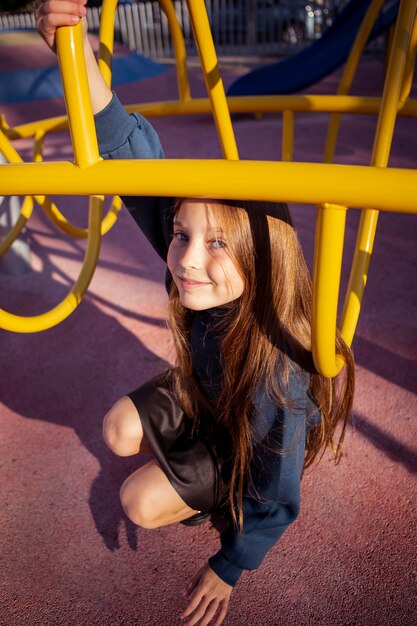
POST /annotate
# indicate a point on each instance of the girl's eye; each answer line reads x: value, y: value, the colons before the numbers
x: 218, y: 243
x: 180, y: 236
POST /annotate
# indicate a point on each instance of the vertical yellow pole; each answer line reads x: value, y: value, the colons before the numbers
x: 409, y: 65
x: 214, y: 83
x: 383, y: 138
x: 179, y: 49
x: 106, y: 37
x: 328, y: 255
x: 329, y: 227
x: 349, y: 73
x: 287, y: 153
x: 70, y: 52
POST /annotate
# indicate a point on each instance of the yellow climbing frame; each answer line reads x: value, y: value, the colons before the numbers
x: 332, y: 188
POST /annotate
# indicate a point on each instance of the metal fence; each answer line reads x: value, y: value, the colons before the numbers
x: 239, y: 27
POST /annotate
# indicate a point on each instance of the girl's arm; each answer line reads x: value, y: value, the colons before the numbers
x: 119, y: 135
x: 272, y: 499
x: 50, y: 14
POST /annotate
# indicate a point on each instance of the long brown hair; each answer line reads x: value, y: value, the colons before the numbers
x: 269, y: 324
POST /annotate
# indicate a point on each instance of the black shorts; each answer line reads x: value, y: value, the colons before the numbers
x: 188, y: 462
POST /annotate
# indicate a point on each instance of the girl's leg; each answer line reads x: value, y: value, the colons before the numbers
x: 122, y: 430
x: 147, y: 496
x: 149, y: 499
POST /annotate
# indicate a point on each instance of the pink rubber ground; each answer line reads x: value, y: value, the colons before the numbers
x: 68, y: 556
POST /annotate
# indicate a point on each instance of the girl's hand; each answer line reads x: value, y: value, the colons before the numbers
x: 50, y: 14
x: 209, y: 598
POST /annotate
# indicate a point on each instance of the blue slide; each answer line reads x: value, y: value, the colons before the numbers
x: 317, y: 60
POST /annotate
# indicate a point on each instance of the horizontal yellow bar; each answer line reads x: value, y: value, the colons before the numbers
x: 385, y: 189
x: 274, y: 104
x: 249, y: 104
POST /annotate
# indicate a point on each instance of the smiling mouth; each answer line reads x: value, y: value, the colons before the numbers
x: 188, y: 284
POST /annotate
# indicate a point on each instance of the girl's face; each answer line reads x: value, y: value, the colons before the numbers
x: 199, y: 261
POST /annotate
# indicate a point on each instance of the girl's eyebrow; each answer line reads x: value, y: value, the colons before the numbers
x: 217, y: 229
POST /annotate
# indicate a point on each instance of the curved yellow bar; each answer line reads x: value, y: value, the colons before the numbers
x: 409, y: 65
x: 330, y: 233
x: 380, y: 154
x: 63, y: 224
x: 13, y: 234
x: 45, y: 203
x: 107, y: 43
x: 349, y: 73
x: 106, y: 37
x: 21, y: 324
x: 214, y: 83
x: 27, y: 207
x: 179, y: 49
x: 74, y: 78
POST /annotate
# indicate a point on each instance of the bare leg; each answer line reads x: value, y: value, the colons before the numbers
x: 147, y: 496
x: 149, y: 499
x: 122, y: 430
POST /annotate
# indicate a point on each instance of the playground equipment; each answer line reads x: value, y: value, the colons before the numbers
x: 324, y: 184
x: 317, y: 60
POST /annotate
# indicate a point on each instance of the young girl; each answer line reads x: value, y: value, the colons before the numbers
x: 232, y: 426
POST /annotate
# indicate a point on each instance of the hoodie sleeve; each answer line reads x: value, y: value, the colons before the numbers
x: 124, y: 136
x: 272, y: 500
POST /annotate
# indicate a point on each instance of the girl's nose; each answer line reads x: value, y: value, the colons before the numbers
x: 192, y: 255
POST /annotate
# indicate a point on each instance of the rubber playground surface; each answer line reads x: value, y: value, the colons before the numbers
x: 68, y: 555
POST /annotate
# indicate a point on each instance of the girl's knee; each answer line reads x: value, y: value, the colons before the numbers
x: 122, y: 431
x: 138, y: 507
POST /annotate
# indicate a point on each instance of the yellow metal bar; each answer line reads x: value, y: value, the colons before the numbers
x: 214, y: 83
x: 250, y: 104
x: 349, y: 73
x: 38, y: 147
x: 17, y: 323
x: 179, y: 49
x: 273, y: 104
x: 359, y: 274
x: 346, y: 185
x: 63, y: 224
x: 409, y: 65
x: 380, y: 154
x: 328, y: 255
x: 45, y: 203
x: 287, y: 136
x: 49, y: 125
x: 13, y: 234
x: 107, y: 43
x: 11, y: 155
x: 77, y: 95
x: 106, y: 37
x: 393, y: 84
